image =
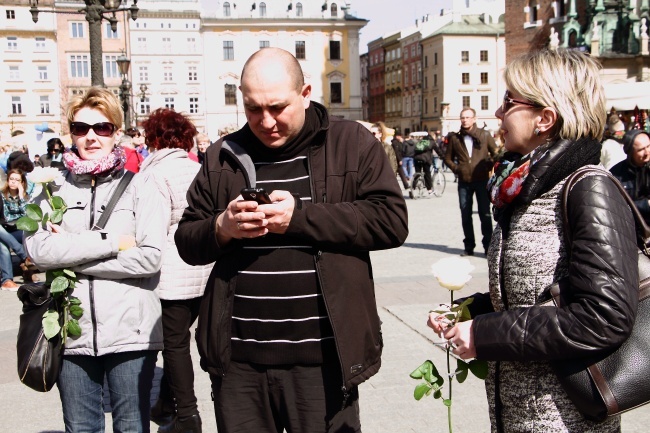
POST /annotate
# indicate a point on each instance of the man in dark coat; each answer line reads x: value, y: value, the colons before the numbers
x: 634, y: 172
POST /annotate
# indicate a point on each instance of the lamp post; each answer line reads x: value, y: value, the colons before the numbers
x: 143, y: 97
x: 123, y: 64
x: 95, y: 12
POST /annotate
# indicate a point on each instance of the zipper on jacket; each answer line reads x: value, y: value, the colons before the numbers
x: 91, y: 285
x: 346, y: 394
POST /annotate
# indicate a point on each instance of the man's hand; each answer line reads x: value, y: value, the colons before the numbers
x: 280, y: 212
x: 242, y: 219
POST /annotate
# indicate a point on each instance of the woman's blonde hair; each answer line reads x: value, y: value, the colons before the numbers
x: 567, y: 81
x: 99, y: 99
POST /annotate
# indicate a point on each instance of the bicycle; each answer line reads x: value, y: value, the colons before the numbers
x: 419, y: 187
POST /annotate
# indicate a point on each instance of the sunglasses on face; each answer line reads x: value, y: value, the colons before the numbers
x: 509, y: 102
x: 103, y: 129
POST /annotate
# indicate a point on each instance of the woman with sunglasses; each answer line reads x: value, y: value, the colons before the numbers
x: 553, y: 118
x: 118, y: 269
x: 54, y: 155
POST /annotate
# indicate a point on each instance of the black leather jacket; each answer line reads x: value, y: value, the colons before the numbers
x: 603, y: 282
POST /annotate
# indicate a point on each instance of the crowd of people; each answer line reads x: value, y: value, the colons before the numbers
x: 282, y: 290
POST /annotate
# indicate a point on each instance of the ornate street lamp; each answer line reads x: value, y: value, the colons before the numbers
x: 123, y: 64
x: 95, y: 11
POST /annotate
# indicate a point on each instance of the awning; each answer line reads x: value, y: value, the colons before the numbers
x: 626, y: 96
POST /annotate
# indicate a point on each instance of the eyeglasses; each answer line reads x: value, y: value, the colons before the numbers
x: 103, y: 129
x: 509, y: 102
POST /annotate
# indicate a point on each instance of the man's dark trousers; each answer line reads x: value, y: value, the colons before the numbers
x: 465, y: 192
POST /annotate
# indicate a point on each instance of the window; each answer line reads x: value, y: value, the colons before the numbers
x: 426, y: 61
x: 406, y: 54
x: 45, y: 104
x: 412, y: 50
x: 110, y: 67
x: 464, y: 56
x: 167, y: 74
x: 426, y: 82
x: 335, y: 50
x: 484, y: 56
x: 435, y: 104
x: 532, y: 11
x: 40, y: 43
x: 264, y: 44
x: 191, y: 45
x: 142, y: 43
x: 435, y: 80
x: 192, y: 74
x: 484, y: 102
x: 484, y: 77
x: 77, y: 30
x: 334, y: 10
x: 465, y: 77
x: 336, y: 94
x: 228, y: 50
x: 79, y: 66
x: 426, y: 106
x: 167, y: 44
x: 419, y: 73
x: 300, y: 50
x: 230, y: 92
x: 11, y: 14
x: 143, y: 73
x: 465, y: 101
x: 109, y: 33
x: 42, y: 73
x: 194, y: 105
x: 413, y: 78
x: 145, y: 105
x: 226, y: 9
x: 12, y: 43
x: 406, y: 76
x: 298, y: 9
x: 169, y: 102
x: 435, y: 59
x: 14, y: 73
x: 16, y: 105
x: 262, y: 9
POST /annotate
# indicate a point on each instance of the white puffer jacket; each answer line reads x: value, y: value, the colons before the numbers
x: 172, y: 172
x: 122, y: 312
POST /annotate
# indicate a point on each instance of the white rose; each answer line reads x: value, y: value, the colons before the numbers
x: 452, y: 273
x: 44, y: 175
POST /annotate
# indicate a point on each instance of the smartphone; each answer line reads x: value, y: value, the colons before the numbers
x: 256, y: 194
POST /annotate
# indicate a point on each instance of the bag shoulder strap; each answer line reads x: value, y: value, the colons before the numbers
x: 115, y: 197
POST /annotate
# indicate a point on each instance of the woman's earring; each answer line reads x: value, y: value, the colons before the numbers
x: 537, y: 132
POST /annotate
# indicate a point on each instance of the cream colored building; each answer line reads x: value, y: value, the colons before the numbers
x: 29, y: 93
x: 324, y: 38
x: 463, y: 67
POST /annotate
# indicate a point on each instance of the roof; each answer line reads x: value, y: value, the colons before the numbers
x: 470, y: 25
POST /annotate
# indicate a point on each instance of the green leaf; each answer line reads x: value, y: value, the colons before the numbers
x: 74, y: 328
x: 479, y: 368
x: 27, y: 224
x: 58, y: 203
x: 34, y: 212
x: 59, y: 284
x: 51, y: 325
x: 57, y: 216
x: 462, y: 368
x: 76, y: 311
x: 69, y: 273
x: 46, y: 218
x: 446, y: 402
x: 422, y: 370
x: 420, y: 390
x: 74, y: 300
x: 437, y: 393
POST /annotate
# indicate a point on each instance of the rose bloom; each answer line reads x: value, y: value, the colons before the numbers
x: 452, y: 273
x: 44, y: 175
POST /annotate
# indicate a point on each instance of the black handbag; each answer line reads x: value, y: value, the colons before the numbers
x: 39, y: 359
x: 620, y: 380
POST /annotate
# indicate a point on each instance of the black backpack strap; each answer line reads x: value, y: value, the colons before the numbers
x: 115, y: 197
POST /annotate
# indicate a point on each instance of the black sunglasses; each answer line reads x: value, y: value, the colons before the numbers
x: 509, y: 102
x: 103, y: 129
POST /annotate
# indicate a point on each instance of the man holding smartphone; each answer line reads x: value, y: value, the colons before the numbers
x: 289, y: 326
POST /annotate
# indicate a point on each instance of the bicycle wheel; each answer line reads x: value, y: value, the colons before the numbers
x: 439, y: 183
x: 419, y: 188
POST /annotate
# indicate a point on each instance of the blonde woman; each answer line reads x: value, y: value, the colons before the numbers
x: 553, y: 117
x: 118, y: 269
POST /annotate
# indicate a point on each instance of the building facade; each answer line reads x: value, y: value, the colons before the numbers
x: 393, y: 79
x: 376, y: 84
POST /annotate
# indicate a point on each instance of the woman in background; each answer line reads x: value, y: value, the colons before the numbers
x: 170, y: 136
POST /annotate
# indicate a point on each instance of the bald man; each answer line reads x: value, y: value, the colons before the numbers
x: 288, y: 326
